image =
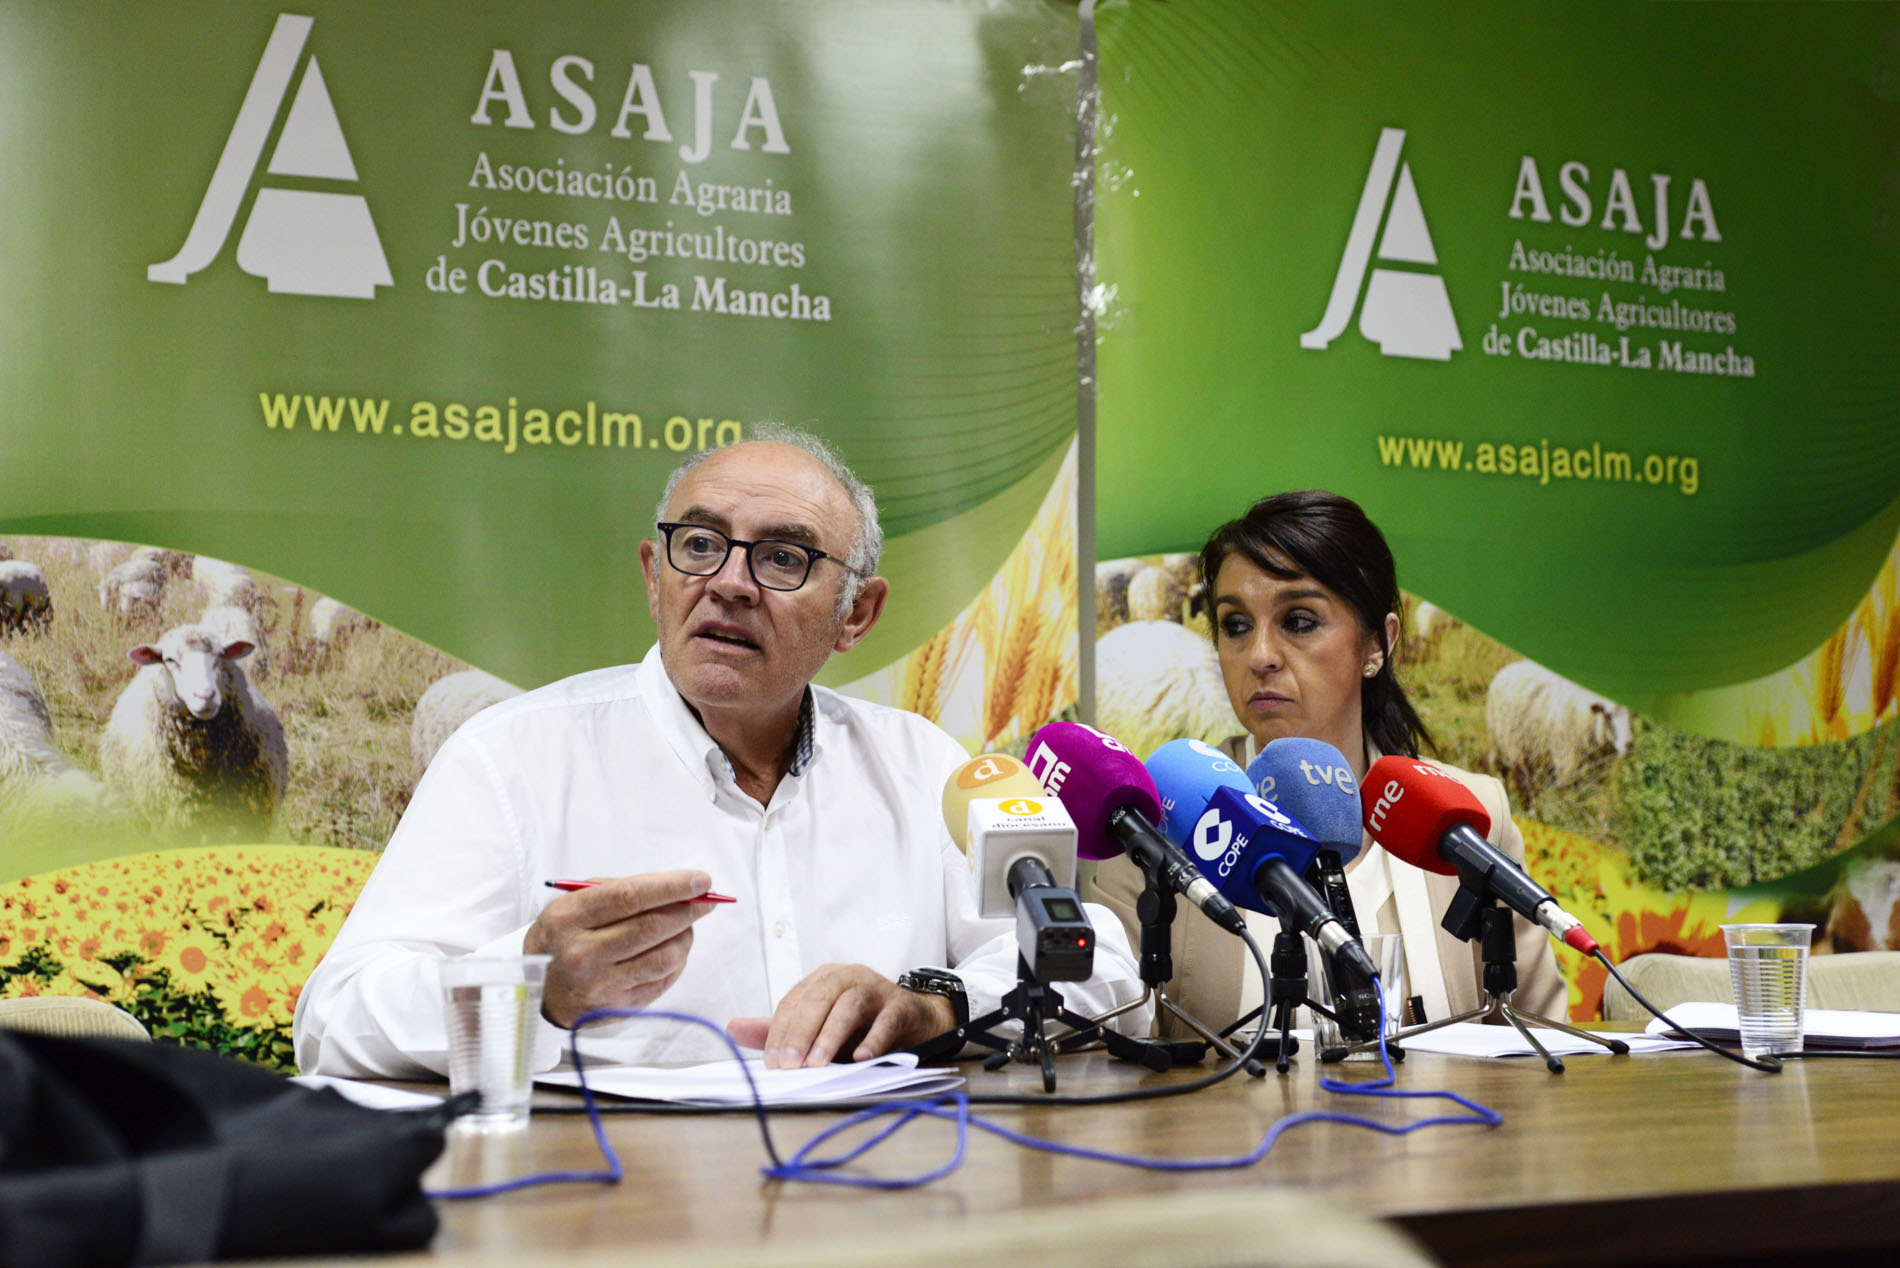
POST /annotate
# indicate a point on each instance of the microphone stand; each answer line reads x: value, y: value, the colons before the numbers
x: 1034, y: 1002
x: 1155, y: 909
x: 1286, y: 991
x: 1471, y: 913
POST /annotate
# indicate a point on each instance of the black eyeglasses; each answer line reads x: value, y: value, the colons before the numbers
x: 699, y: 551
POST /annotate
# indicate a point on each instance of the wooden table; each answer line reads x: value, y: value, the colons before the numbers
x: 1677, y: 1157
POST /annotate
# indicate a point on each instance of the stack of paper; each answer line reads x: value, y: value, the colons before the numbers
x: 1473, y: 1039
x: 1820, y: 1027
x: 722, y: 1083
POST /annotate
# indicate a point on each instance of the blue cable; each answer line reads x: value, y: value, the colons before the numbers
x: 807, y: 1165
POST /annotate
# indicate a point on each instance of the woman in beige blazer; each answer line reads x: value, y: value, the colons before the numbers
x: 1304, y: 598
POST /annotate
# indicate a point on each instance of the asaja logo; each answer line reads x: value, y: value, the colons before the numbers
x: 1022, y: 807
x: 300, y: 241
x: 1406, y: 312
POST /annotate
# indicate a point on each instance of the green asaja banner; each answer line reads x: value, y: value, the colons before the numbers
x: 1586, y: 307
x: 416, y: 305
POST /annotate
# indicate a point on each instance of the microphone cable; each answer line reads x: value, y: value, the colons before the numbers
x: 806, y: 1164
x: 976, y: 1098
x: 1766, y: 1064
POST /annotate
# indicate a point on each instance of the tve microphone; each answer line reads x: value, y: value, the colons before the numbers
x: 1113, y: 801
x: 989, y: 775
x: 1312, y: 781
x: 1429, y: 819
x: 1255, y: 852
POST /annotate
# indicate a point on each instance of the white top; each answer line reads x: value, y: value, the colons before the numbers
x: 607, y: 774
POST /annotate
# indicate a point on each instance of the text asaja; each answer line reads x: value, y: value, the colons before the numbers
x: 571, y: 78
x: 1619, y: 204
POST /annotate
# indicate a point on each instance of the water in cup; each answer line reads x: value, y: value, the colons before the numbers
x: 491, y: 1005
x: 1386, y: 952
x: 1767, y: 967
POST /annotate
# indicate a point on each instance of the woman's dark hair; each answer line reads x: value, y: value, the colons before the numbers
x: 1327, y: 537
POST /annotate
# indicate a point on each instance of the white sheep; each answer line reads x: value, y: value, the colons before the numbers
x: 103, y: 557
x: 236, y: 624
x: 38, y: 786
x: 191, y: 743
x: 133, y: 588
x: 1153, y: 595
x: 1543, y: 725
x: 1111, y: 592
x: 331, y: 621
x: 223, y: 584
x: 1427, y: 617
x: 1156, y: 681
x: 450, y: 701
x: 176, y: 563
x: 25, y: 602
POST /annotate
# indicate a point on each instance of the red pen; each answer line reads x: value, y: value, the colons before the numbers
x: 571, y: 886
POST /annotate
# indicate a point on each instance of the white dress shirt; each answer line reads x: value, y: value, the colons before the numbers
x: 608, y: 774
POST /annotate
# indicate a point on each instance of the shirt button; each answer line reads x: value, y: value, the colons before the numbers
x: 778, y: 929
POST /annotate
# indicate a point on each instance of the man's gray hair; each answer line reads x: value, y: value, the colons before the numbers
x: 866, y: 548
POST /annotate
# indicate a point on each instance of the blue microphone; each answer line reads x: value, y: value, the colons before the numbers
x: 1312, y: 781
x: 1186, y: 773
x: 1252, y: 850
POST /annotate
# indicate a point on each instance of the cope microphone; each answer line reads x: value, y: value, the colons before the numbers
x: 1113, y: 801
x: 1251, y: 849
x: 1432, y: 821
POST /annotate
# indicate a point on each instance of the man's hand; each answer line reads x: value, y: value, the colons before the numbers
x: 619, y: 944
x: 843, y: 1008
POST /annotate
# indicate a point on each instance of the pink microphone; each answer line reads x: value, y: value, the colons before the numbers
x: 1112, y: 799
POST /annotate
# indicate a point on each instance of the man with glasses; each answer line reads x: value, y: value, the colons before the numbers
x: 713, y: 763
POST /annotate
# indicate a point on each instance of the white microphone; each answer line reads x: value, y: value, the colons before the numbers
x: 1001, y: 816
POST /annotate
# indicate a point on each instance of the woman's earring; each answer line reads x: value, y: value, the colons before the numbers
x: 1372, y: 669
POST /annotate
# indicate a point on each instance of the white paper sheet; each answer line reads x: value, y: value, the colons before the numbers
x: 721, y: 1083
x: 1820, y: 1027
x: 374, y: 1095
x: 1474, y: 1039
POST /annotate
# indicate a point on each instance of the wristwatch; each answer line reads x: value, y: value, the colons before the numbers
x: 939, y: 982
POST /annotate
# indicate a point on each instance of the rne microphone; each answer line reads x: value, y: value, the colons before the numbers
x: 1113, y: 801
x: 1432, y: 821
x: 1254, y: 852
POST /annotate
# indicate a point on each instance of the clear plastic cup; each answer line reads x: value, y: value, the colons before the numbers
x: 1385, y: 950
x: 491, y: 1004
x: 1768, y: 969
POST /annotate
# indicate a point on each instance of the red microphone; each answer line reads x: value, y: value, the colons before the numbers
x: 1432, y: 821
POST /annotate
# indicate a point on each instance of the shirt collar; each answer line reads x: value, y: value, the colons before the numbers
x: 688, y: 737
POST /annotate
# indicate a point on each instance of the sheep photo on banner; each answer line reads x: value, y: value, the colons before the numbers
x: 394, y: 323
